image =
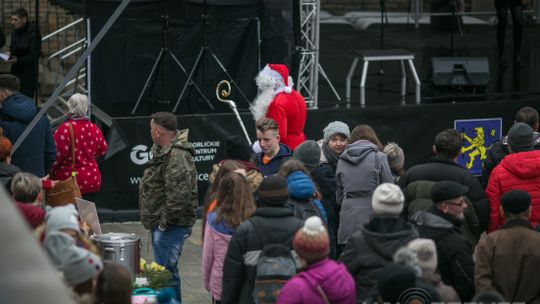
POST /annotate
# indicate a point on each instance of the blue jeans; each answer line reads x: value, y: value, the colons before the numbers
x: 167, y: 246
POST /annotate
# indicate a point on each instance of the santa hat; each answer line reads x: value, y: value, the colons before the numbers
x: 281, y: 72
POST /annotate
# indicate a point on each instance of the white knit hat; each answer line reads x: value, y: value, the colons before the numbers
x: 426, y: 252
x: 387, y: 199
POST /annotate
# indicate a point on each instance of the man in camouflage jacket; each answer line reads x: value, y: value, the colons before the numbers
x: 168, y: 193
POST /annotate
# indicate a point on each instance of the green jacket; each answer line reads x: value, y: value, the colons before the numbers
x: 168, y: 189
x: 418, y: 198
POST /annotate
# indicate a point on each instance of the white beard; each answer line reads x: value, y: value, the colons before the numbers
x: 270, y: 84
x: 261, y: 103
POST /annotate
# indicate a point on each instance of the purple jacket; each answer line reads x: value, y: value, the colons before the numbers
x: 333, y: 279
x: 216, y: 242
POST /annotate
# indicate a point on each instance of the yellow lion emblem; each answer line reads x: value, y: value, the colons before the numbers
x: 476, y: 146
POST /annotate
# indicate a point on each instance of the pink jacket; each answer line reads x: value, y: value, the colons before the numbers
x: 215, y: 245
x: 326, y: 276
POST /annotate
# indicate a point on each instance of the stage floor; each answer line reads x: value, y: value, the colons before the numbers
x: 339, y: 41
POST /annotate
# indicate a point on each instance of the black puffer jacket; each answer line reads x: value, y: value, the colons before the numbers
x: 454, y: 253
x: 439, y: 169
x: 497, y: 152
x: 278, y: 225
x: 372, y: 248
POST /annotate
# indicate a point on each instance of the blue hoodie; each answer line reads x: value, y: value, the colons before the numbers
x: 38, y: 151
x: 284, y: 154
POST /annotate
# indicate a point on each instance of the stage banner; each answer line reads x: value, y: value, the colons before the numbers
x: 122, y: 172
x: 412, y: 127
x: 478, y: 135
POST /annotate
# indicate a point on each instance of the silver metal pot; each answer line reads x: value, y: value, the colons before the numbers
x: 123, y: 248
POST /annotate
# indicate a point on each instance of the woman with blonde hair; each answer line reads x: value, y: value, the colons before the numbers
x: 79, y: 143
x: 235, y: 205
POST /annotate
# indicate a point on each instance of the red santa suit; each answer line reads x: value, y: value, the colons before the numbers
x: 279, y: 101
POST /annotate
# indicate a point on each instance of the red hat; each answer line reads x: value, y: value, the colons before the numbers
x: 34, y: 215
x: 284, y: 72
x: 311, y: 242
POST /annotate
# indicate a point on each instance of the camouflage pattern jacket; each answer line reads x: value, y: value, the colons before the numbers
x: 168, y: 189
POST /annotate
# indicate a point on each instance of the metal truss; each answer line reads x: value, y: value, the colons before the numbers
x: 308, y: 49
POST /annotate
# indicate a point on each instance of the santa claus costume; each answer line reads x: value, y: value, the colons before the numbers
x: 279, y: 101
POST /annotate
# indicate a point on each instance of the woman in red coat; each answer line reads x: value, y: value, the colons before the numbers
x: 89, y: 145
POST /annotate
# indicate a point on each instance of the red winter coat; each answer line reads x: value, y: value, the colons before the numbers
x: 517, y: 171
x: 289, y: 111
x: 89, y: 145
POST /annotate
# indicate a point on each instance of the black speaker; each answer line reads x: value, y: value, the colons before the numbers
x: 460, y: 72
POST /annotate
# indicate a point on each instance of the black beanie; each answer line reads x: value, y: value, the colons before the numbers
x: 237, y: 148
x: 515, y: 201
x: 273, y: 191
x: 393, y: 281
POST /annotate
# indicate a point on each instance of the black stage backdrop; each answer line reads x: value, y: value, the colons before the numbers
x: 238, y: 31
x: 412, y: 127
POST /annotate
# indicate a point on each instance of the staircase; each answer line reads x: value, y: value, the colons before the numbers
x: 63, y: 41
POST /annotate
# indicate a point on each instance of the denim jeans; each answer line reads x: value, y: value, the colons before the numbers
x: 167, y: 246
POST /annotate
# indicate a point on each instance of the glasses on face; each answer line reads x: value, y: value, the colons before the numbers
x: 461, y: 203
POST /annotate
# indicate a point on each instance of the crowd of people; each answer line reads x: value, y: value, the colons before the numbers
x: 361, y: 228
x: 331, y: 220
x: 43, y: 160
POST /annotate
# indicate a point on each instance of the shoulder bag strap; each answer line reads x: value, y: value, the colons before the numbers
x: 377, y: 168
x: 72, y: 137
x: 323, y: 295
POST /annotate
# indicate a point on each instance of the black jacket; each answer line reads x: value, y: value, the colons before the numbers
x: 279, y: 226
x: 454, y: 253
x: 439, y: 169
x: 368, y: 251
x: 497, y: 152
x: 26, y: 46
x: 2, y: 38
x: 418, y: 198
x: 7, y: 171
x: 325, y: 179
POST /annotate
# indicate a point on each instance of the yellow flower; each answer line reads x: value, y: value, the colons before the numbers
x: 142, y: 263
x: 156, y: 267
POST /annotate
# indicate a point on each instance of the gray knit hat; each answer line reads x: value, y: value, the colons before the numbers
x: 336, y: 127
x: 62, y: 217
x: 309, y: 153
x: 521, y: 137
x: 78, y: 265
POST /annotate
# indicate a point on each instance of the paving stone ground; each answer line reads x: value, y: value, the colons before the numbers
x: 193, y: 291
